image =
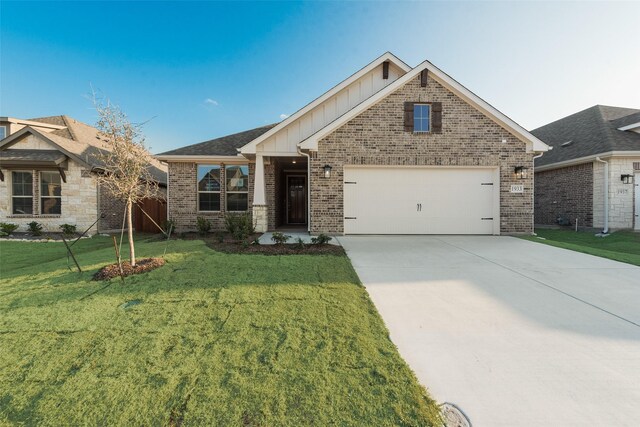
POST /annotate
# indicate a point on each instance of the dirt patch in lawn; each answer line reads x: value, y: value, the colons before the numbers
x: 142, y: 266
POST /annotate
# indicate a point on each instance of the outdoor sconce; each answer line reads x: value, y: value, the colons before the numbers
x: 327, y: 171
x: 521, y: 172
x: 626, y: 178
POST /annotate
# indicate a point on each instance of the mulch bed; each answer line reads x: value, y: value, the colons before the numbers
x: 142, y: 266
x: 286, y: 249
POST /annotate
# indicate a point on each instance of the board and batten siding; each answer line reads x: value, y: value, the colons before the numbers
x: 286, y: 140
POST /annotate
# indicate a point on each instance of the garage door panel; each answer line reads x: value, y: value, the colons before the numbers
x: 409, y: 200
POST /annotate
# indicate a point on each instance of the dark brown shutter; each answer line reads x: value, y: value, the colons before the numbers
x: 423, y: 77
x: 436, y: 117
x: 385, y: 70
x: 408, y: 116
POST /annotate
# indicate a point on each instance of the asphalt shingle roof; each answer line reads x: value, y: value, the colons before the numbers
x: 83, y: 141
x: 588, y: 132
x: 223, y: 146
x: 31, y: 155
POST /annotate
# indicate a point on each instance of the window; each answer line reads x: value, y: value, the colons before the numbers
x: 50, y: 193
x: 237, y: 187
x: 3, y: 132
x: 22, y: 193
x: 421, y: 118
x: 208, y: 187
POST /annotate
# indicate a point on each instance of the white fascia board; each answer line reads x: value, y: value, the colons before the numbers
x: 533, y: 143
x: 630, y: 127
x: 250, y: 148
x: 201, y: 159
x: 586, y: 159
x: 31, y: 123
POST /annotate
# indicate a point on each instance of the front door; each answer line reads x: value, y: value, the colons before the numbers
x: 296, y: 199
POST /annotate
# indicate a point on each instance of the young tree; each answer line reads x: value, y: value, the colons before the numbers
x: 126, y: 161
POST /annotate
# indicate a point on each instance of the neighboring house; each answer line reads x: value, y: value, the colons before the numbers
x: 48, y: 170
x: 390, y: 150
x: 592, y: 174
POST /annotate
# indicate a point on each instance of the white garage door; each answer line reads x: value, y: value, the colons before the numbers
x: 414, y: 200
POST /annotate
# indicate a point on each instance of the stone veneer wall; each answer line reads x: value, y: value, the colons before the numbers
x: 182, y: 196
x: 79, y: 201
x: 567, y: 192
x: 377, y: 137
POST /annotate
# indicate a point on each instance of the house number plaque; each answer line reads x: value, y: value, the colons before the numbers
x: 517, y: 188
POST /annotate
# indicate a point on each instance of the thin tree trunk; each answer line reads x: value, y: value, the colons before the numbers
x: 132, y: 250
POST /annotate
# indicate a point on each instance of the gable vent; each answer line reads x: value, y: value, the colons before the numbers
x: 636, y: 166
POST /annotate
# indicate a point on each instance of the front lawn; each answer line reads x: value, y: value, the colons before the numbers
x: 207, y: 339
x: 621, y: 246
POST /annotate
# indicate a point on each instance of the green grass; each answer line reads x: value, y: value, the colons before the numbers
x: 217, y: 339
x: 621, y: 246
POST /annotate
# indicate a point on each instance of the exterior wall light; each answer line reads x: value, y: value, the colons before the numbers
x: 626, y: 179
x: 327, y: 171
x: 520, y: 172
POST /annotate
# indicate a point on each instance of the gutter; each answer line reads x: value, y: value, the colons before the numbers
x: 533, y: 190
x: 606, y: 195
x: 308, y: 156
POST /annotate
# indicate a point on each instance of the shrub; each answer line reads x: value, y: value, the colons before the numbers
x: 279, y: 238
x: 35, y: 228
x: 168, y: 226
x: 220, y: 237
x: 68, y: 229
x: 7, y: 227
x: 203, y: 225
x: 256, y: 241
x: 322, y: 239
x: 299, y: 243
x: 239, y: 225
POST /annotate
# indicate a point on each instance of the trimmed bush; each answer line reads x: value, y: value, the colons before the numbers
x: 279, y: 238
x: 203, y: 225
x: 35, y: 228
x: 8, y: 228
x: 68, y: 229
x: 239, y: 225
x: 322, y: 239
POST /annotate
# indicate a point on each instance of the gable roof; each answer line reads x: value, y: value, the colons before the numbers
x: 78, y: 141
x: 588, y: 133
x: 224, y: 146
x: 533, y: 143
x: 387, y: 56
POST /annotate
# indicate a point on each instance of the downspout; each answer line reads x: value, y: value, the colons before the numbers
x: 308, y: 187
x: 533, y: 191
x: 606, y: 195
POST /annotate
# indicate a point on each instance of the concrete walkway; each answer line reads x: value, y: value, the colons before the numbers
x: 515, y: 333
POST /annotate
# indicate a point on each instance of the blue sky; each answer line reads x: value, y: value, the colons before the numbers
x: 197, y: 70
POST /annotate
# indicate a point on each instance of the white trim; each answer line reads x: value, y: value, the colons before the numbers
x: 631, y: 126
x: 31, y: 123
x: 586, y: 159
x: 201, y: 159
x: 250, y: 148
x: 533, y: 143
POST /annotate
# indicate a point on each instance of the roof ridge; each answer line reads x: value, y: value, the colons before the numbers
x: 66, y: 119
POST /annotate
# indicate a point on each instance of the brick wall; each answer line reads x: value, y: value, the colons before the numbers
x: 566, y: 191
x: 182, y: 196
x: 377, y: 137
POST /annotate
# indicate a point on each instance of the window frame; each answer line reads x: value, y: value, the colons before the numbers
x: 210, y: 165
x: 428, y: 118
x: 13, y: 196
x: 226, y: 190
x: 41, y: 197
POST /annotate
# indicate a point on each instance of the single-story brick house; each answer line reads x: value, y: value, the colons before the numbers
x: 390, y: 150
x: 592, y: 175
x: 48, y: 170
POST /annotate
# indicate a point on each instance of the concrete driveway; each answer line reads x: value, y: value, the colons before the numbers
x: 515, y: 333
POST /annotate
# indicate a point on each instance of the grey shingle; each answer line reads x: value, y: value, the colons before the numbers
x: 590, y: 132
x: 223, y: 146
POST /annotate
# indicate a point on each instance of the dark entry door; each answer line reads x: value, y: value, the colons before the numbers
x: 296, y: 200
